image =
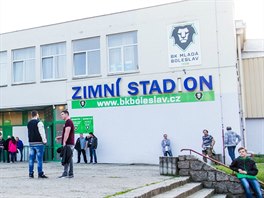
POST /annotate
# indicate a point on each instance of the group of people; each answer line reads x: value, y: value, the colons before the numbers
x: 244, y: 165
x: 81, y: 145
x: 37, y: 140
x: 9, y: 149
x: 231, y: 140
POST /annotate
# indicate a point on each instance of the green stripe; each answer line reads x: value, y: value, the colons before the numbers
x: 145, y: 100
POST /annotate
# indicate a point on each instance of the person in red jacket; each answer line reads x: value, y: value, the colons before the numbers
x: 12, y: 148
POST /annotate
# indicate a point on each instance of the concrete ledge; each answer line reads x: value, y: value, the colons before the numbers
x: 155, y: 189
x: 182, y: 191
x: 204, y: 193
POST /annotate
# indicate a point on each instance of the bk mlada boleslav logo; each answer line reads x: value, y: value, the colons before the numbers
x: 183, y: 36
x: 199, y: 95
x: 82, y: 103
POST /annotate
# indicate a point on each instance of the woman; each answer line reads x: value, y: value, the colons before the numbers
x: 12, y: 148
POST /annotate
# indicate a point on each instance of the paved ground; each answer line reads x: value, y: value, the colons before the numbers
x: 90, y: 181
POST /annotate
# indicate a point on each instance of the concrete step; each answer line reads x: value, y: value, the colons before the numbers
x: 203, y: 193
x: 182, y: 191
x: 219, y: 196
x: 155, y: 189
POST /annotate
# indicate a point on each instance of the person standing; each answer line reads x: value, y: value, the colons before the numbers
x: 80, y: 146
x: 2, y: 150
x: 12, y: 148
x: 165, y: 144
x: 20, y: 147
x: 6, y: 145
x: 36, y: 139
x: 67, y: 139
x: 246, y: 172
x: 92, y: 143
x: 208, y: 143
x: 231, y: 140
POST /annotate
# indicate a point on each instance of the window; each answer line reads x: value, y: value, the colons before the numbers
x: 122, y: 52
x: 12, y: 118
x: 86, y: 57
x: 24, y: 65
x: 41, y: 115
x: 53, y: 63
x: 3, y: 68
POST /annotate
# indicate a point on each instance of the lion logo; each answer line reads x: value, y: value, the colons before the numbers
x: 183, y: 36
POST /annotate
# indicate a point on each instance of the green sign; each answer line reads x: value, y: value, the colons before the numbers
x: 83, y: 124
x: 145, y: 100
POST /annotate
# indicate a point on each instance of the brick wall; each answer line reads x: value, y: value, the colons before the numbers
x: 189, y: 165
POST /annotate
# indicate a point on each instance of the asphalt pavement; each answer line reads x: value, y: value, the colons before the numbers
x: 90, y: 180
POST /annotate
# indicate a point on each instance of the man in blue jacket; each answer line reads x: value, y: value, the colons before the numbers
x: 231, y: 141
x: 166, y: 147
x: 20, y: 147
x: 80, y: 146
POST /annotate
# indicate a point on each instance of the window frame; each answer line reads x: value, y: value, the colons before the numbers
x: 4, y: 65
x: 86, y: 52
x: 121, y: 47
x: 23, y: 64
x: 54, y: 57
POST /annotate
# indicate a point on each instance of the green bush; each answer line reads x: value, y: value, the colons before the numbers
x: 260, y: 175
x: 259, y: 158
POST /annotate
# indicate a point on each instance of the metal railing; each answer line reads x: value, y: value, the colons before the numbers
x: 50, y: 154
x: 213, y: 160
x: 217, y: 162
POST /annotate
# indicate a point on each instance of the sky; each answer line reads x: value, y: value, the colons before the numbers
x: 23, y: 14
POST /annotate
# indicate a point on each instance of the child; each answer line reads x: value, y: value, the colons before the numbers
x: 246, y: 172
x: 12, y: 148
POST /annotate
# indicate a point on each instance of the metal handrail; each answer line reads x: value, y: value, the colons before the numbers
x: 217, y: 162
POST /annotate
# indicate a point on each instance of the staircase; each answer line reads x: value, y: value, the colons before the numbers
x: 178, y: 187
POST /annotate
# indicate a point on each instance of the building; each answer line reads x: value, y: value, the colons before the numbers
x: 129, y: 77
x: 253, y: 70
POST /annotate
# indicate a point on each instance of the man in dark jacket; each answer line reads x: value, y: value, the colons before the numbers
x: 36, y: 139
x: 246, y: 172
x: 92, y: 145
x: 80, y: 146
x: 6, y: 145
x: 2, y: 152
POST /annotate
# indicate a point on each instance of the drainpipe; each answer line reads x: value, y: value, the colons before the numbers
x: 239, y: 33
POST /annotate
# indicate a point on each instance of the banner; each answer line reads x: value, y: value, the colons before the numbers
x: 83, y: 124
x: 144, y: 100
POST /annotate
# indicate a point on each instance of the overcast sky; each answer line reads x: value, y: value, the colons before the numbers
x: 22, y: 14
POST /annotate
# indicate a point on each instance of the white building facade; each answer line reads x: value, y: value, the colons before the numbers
x: 128, y: 77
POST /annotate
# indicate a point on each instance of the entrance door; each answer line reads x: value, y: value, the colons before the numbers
x: 58, y: 132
